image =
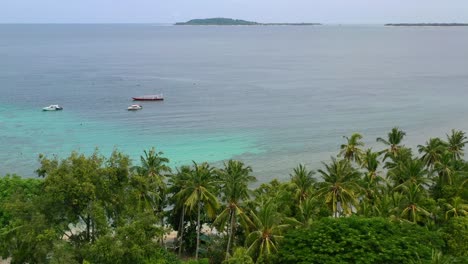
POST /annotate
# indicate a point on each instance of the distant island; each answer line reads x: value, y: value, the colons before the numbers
x: 235, y: 22
x: 427, y: 24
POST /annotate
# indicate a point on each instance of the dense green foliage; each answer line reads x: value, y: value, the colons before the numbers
x: 358, y: 240
x: 394, y: 205
x: 13, y: 187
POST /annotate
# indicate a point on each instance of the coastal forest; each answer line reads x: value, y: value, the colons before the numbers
x: 391, y: 204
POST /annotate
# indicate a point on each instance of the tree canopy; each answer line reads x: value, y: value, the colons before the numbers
x: 388, y: 205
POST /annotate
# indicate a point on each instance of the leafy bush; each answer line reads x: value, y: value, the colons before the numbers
x: 455, y: 234
x: 14, y: 187
x: 358, y: 240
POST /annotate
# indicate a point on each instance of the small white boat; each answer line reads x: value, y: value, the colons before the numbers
x: 52, y: 108
x: 135, y: 107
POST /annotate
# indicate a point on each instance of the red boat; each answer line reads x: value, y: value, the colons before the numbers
x: 152, y: 97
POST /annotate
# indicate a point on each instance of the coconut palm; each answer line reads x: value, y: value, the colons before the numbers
x: 371, y: 182
x: 412, y: 209
x: 456, y: 142
x: 393, y: 141
x: 389, y: 204
x: 307, y: 211
x: 178, y: 183
x: 281, y: 193
x: 404, y: 154
x: 235, y: 179
x: 448, y: 168
x: 340, y: 186
x: 432, y: 151
x: 385, y: 205
x: 199, y: 190
x: 370, y: 162
x: 153, y: 164
x: 145, y: 193
x: 154, y: 168
x: 302, y: 180
x: 266, y: 232
x: 351, y: 150
x: 456, y: 208
x: 411, y: 171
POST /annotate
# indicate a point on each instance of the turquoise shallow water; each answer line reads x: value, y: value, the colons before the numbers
x: 271, y: 96
x: 27, y: 133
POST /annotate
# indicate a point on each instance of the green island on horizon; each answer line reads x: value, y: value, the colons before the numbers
x: 220, y: 21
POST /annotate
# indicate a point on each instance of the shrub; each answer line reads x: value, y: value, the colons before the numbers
x: 358, y: 240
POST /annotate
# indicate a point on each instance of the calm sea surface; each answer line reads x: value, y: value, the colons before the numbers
x: 271, y: 96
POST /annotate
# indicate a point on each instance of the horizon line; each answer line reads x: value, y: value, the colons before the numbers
x: 173, y: 23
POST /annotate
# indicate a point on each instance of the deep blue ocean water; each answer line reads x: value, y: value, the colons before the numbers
x: 272, y: 96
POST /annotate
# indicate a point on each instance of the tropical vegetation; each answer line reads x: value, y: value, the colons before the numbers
x: 385, y: 204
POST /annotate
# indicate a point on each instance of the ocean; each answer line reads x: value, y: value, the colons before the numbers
x: 271, y: 96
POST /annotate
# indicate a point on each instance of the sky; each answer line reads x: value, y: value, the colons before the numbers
x: 170, y: 11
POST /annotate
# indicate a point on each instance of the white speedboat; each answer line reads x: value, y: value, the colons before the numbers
x: 52, y: 108
x: 135, y: 107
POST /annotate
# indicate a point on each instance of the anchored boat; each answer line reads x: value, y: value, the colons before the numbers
x: 151, y: 97
x: 52, y: 108
x: 134, y: 107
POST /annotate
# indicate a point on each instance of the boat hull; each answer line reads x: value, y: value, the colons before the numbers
x: 52, y: 108
x: 147, y: 99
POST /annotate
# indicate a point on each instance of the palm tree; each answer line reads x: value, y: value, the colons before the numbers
x: 411, y: 171
x: 351, y: 150
x: 154, y: 167
x: 372, y: 181
x: 145, y: 194
x: 404, y: 154
x: 370, y: 162
x: 307, y: 210
x: 275, y: 191
x: 178, y: 183
x: 394, y: 139
x: 235, y: 179
x: 456, y: 143
x: 199, y: 190
x: 457, y: 208
x: 411, y: 205
x: 303, y: 180
x: 267, y: 230
x: 340, y: 186
x: 153, y: 164
x: 432, y: 151
x: 448, y: 168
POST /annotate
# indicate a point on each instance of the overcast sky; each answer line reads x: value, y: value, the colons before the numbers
x: 169, y: 11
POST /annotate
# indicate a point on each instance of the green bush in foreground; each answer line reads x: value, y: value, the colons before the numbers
x: 358, y: 240
x: 455, y: 233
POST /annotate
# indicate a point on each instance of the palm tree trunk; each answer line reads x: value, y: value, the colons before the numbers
x: 231, y: 230
x: 335, y: 213
x: 199, y: 229
x: 88, y: 227
x: 181, y: 231
x: 162, y: 225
